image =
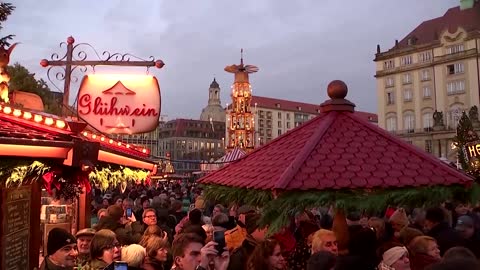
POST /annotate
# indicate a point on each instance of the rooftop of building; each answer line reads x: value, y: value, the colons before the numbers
x: 301, y: 107
x: 428, y: 32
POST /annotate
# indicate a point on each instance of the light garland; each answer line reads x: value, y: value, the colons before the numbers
x: 112, y: 143
x: 30, y: 117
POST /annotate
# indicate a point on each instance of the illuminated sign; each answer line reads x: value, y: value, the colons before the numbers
x: 472, y: 150
x: 120, y: 104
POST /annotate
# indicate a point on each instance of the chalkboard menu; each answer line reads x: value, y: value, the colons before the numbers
x: 16, y: 228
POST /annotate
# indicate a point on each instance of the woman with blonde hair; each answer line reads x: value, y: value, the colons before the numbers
x: 133, y: 255
x: 424, y: 252
x: 324, y: 240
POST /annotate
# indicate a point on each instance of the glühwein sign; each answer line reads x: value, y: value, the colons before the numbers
x: 120, y: 104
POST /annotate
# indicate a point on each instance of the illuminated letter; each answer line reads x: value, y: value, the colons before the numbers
x: 471, y: 151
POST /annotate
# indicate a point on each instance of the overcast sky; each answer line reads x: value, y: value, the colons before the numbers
x: 299, y: 46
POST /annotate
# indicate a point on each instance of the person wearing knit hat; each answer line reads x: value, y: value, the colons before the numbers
x: 395, y: 258
x: 61, y: 250
x: 398, y: 220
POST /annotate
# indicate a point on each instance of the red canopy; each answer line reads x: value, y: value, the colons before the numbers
x: 336, y: 150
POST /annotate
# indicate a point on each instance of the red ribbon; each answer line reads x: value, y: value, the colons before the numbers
x: 49, y: 178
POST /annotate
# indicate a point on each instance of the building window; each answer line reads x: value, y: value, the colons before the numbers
x: 409, y: 122
x: 455, y: 68
x: 279, y: 124
x: 279, y: 114
x: 288, y: 116
x: 288, y: 125
x: 428, y: 146
x: 425, y: 75
x: 389, y: 82
x: 299, y: 108
x: 389, y: 64
x: 427, y: 92
x: 454, y: 116
x: 391, y: 123
x: 277, y: 105
x: 455, y: 49
x: 261, y: 114
x: 390, y: 98
x: 406, y: 60
x: 425, y: 56
x: 407, y: 78
x: 456, y: 87
x: 427, y: 121
x: 407, y: 95
x: 279, y: 132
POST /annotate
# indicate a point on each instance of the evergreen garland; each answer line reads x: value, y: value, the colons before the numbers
x: 277, y: 212
x: 109, y: 176
x: 466, y: 134
x: 16, y: 172
x: 230, y: 195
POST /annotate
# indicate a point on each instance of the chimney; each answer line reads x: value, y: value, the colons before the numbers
x: 378, y: 48
x: 396, y: 42
x: 466, y: 4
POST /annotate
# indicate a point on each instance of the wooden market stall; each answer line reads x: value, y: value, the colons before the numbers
x: 336, y: 158
x: 43, y: 158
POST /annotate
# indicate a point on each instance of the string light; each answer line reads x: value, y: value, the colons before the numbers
x: 61, y: 124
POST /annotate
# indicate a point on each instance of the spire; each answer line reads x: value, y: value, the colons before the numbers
x: 241, y: 56
x: 214, y: 84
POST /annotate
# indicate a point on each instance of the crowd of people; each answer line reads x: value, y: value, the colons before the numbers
x: 172, y: 226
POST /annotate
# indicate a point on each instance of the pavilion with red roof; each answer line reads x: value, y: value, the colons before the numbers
x: 341, y: 155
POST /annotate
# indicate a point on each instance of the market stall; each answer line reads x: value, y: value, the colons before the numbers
x: 47, y: 167
x: 336, y: 158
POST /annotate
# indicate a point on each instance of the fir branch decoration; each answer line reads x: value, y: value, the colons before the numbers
x: 278, y: 212
x: 231, y: 195
x: 15, y: 172
x: 106, y: 177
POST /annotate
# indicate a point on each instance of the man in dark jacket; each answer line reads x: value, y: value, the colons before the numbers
x: 239, y: 257
x: 437, y: 227
x: 61, y: 251
x: 466, y: 228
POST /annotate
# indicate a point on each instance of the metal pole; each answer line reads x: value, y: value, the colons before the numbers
x: 68, y: 77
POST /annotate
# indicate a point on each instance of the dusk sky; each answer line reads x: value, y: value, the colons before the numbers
x: 299, y: 46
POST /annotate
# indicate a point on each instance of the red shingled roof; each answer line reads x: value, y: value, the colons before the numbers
x: 336, y: 150
x: 429, y: 31
x: 288, y: 105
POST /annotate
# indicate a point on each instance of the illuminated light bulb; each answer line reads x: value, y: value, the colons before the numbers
x: 144, y: 150
x: 60, y: 124
x: 128, y: 145
x: 17, y: 112
x: 85, y: 134
x: 102, y: 139
x: 48, y: 121
x: 94, y: 136
x: 37, y: 118
x: 27, y: 115
x: 119, y: 144
x: 110, y: 141
x: 7, y: 110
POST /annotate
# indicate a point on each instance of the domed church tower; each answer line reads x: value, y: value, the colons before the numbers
x: 214, y: 110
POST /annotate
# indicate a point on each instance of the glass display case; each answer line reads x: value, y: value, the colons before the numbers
x: 56, y: 213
